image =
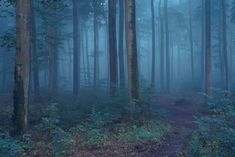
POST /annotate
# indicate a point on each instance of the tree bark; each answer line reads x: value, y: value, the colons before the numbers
x: 162, y: 58
x: 113, y: 48
x: 88, y: 58
x: 203, y: 46
x: 22, y: 67
x: 95, y: 64
x: 208, y: 81
x: 153, y: 45
x: 133, y: 76
x: 76, y: 49
x: 221, y: 56
x: 167, y: 47
x: 51, y: 59
x: 225, y: 49
x: 191, y: 39
x: 34, y: 54
x: 121, y: 48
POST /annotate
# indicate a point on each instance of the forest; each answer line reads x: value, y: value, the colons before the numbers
x: 117, y: 78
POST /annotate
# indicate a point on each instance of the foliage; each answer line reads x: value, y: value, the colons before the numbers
x: 215, y: 136
x: 96, y: 138
x: 50, y: 118
x: 8, y: 40
x: 93, y: 138
x: 150, y: 131
x: 63, y: 143
x: 11, y: 147
x: 94, y: 135
x: 233, y: 11
x: 221, y: 105
x: 99, y: 119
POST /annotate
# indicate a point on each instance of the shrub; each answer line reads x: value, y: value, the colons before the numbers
x: 11, y: 147
x: 213, y: 138
x: 150, y: 131
x: 95, y: 138
x: 63, y: 143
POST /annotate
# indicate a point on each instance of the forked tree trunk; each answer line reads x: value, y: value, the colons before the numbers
x: 113, y: 48
x: 22, y: 67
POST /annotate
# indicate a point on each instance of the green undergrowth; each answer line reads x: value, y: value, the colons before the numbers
x: 68, y: 124
x: 12, y: 147
x: 215, y: 136
x: 149, y: 131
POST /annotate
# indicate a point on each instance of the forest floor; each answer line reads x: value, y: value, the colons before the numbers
x: 181, y: 114
x: 177, y: 110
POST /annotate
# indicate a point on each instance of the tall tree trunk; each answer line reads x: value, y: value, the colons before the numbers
x: 87, y: 58
x: 191, y: 39
x: 172, y: 61
x: 167, y: 47
x: 34, y: 53
x: 76, y: 49
x: 162, y: 58
x: 56, y: 61
x: 203, y: 46
x: 121, y: 48
x: 225, y: 50
x: 113, y: 48
x: 178, y: 64
x: 153, y: 45
x: 133, y: 76
x: 4, y: 73
x: 208, y: 81
x: 95, y: 64
x: 51, y: 58
x: 221, y: 56
x: 22, y: 67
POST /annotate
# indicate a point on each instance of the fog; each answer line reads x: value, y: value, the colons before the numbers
x: 125, y: 59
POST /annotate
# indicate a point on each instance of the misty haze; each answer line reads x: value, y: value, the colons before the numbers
x: 117, y: 78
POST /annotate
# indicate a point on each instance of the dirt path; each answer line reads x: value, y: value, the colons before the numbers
x: 181, y: 116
